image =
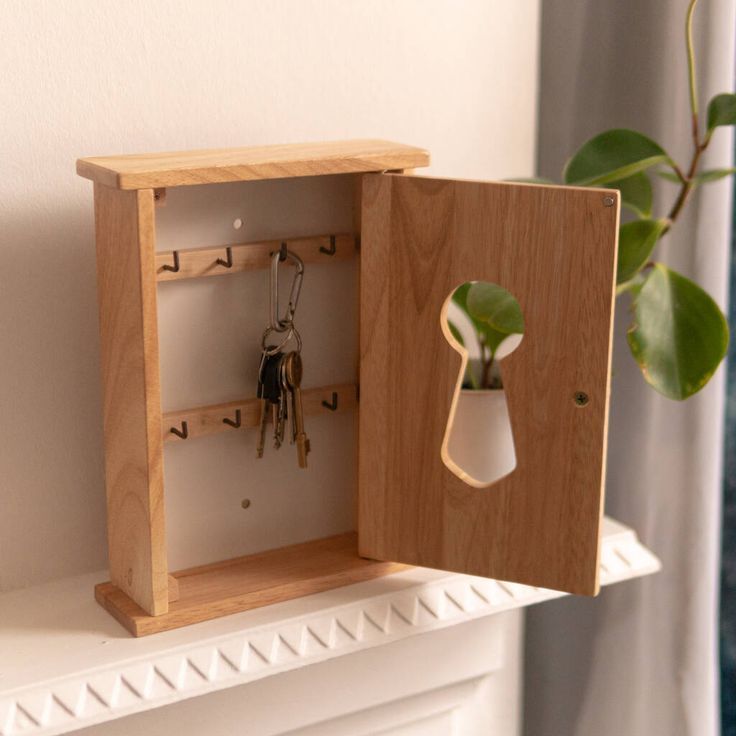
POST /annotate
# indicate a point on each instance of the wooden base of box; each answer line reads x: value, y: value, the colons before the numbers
x: 253, y: 581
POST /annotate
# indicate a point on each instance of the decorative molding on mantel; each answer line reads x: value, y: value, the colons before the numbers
x: 88, y: 678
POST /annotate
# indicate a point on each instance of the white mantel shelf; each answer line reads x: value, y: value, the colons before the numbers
x: 66, y: 664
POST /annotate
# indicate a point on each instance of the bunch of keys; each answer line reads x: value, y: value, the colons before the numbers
x: 280, y: 372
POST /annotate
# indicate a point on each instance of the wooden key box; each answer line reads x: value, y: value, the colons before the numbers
x: 417, y: 239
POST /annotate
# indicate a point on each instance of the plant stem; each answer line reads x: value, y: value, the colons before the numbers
x: 698, y: 147
x: 474, y: 384
x: 678, y: 171
x: 486, y: 379
x: 691, y: 70
x: 685, y: 189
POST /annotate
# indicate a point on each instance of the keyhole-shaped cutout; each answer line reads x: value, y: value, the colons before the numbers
x: 484, y: 323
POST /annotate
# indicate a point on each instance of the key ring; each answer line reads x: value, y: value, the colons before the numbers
x: 292, y: 332
x: 281, y: 325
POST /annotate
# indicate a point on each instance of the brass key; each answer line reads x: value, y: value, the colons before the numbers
x: 293, y: 377
x: 282, y: 412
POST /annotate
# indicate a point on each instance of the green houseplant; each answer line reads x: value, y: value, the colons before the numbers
x: 481, y: 444
x: 678, y: 335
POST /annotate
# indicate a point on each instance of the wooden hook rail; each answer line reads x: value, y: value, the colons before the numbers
x: 223, y: 259
x: 216, y: 418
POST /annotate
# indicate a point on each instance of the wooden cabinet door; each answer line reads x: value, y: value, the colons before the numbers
x: 554, y: 248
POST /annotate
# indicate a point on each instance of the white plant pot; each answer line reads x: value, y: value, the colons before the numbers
x: 481, y: 443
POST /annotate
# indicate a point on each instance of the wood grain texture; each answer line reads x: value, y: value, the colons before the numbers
x: 198, y: 262
x: 253, y: 581
x: 173, y: 588
x: 554, y: 248
x: 126, y: 281
x: 184, y: 168
x: 206, y: 420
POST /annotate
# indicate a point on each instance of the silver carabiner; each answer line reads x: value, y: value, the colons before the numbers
x: 281, y: 325
x: 273, y: 349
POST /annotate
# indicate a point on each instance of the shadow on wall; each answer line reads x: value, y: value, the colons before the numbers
x: 51, y: 462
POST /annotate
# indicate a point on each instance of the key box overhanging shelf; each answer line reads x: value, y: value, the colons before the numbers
x: 553, y: 247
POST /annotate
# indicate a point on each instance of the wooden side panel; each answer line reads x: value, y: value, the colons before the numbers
x: 554, y: 248
x: 126, y: 282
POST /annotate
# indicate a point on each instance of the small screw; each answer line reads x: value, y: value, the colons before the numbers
x: 581, y: 398
x: 608, y: 201
x: 245, y: 503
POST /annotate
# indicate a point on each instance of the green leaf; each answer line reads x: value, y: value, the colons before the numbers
x: 702, y: 178
x: 484, y: 332
x: 531, y: 180
x: 636, y: 240
x: 632, y: 285
x: 496, y: 307
x: 713, y: 175
x: 460, y: 296
x: 493, y: 338
x: 636, y: 193
x: 721, y: 111
x: 613, y: 155
x: 669, y: 176
x: 679, y: 335
x: 455, y: 332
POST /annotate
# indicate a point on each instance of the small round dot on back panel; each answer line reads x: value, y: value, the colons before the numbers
x: 237, y: 223
x: 245, y: 503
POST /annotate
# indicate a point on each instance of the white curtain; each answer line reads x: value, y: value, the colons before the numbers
x: 641, y: 660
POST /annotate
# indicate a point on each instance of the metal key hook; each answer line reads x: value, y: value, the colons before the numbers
x: 281, y: 325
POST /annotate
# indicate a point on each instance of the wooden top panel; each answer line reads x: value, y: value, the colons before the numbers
x: 185, y: 168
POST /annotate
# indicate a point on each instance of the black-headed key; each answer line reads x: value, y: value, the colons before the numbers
x: 269, y: 392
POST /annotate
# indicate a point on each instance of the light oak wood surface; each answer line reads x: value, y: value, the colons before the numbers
x: 126, y: 282
x: 250, y: 582
x: 554, y: 248
x: 206, y: 420
x: 184, y: 168
x: 198, y: 262
x: 173, y: 588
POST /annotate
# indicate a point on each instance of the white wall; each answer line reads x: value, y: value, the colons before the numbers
x: 81, y: 78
